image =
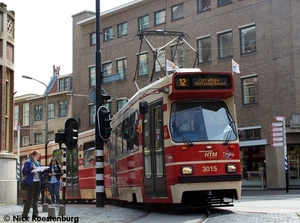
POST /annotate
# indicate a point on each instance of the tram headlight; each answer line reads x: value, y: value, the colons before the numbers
x: 231, y: 168
x: 187, y: 170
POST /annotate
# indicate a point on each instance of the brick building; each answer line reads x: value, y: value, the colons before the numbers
x: 261, y: 36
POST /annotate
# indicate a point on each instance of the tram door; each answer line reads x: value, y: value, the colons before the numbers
x: 153, y: 151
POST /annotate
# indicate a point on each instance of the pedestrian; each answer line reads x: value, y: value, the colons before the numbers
x: 54, y: 174
x: 33, y: 180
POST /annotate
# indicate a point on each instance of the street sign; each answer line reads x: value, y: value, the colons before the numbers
x: 277, y: 134
x: 277, y: 129
x: 279, y: 118
x: 276, y: 124
x: 275, y: 144
x: 277, y: 139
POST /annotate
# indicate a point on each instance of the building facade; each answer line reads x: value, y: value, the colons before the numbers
x: 261, y: 36
x: 7, y: 35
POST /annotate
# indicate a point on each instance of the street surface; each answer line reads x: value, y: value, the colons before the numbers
x: 271, y: 206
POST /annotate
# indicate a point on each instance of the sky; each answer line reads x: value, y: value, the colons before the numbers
x: 43, y: 38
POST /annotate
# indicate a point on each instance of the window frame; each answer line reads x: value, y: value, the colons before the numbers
x: 62, y: 109
x: 51, y: 110
x: 92, y: 114
x: 140, y: 68
x: 38, y: 114
x: 160, y: 62
x: 224, y: 2
x: 26, y: 116
x: 108, y: 34
x: 93, y: 39
x: 243, y: 45
x: 249, y: 90
x: 121, y: 29
x: 92, y: 76
x: 179, y: 14
x: 123, y: 66
x: 159, y: 17
x: 107, y: 66
x: 200, y: 49
x: 229, y: 47
x: 142, y: 25
x: 200, y: 5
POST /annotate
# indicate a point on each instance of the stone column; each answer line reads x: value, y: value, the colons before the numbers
x: 8, y: 181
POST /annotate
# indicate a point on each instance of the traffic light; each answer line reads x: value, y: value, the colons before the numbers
x: 71, y: 133
x: 104, y: 99
x: 103, y: 116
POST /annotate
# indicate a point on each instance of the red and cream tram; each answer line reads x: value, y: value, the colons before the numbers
x: 176, y: 142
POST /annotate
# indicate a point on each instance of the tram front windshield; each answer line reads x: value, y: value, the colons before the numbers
x: 194, y: 121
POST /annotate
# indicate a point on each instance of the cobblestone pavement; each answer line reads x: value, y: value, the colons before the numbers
x: 236, y: 217
x: 79, y: 213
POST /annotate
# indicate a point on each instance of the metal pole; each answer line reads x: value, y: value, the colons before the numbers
x: 18, y: 164
x: 286, y: 163
x: 99, y: 142
x: 64, y: 182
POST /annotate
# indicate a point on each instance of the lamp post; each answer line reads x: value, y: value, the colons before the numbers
x: 46, y: 123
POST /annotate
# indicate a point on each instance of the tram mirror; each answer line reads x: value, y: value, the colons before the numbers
x: 143, y: 107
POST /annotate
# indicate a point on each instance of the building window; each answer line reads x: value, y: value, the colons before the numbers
x: 121, y: 103
x: 108, y: 105
x: 51, y: 136
x: 38, y: 138
x: 143, y: 64
x: 64, y: 84
x: 25, y: 140
x: 62, y: 109
x: 92, y: 39
x: 92, y: 75
x: 249, y: 85
x: 225, y: 44
x: 160, y: 17
x: 26, y: 114
x: 38, y: 113
x: 122, y: 68
x: 143, y: 22
x: 51, y: 111
x: 92, y: 111
x: 160, y: 63
x: 177, y: 12
x: 203, y: 5
x: 122, y: 29
x: 204, y: 47
x: 16, y: 115
x: 108, y: 34
x: 178, y: 56
x: 107, y: 66
x: 224, y: 2
x: 248, y: 39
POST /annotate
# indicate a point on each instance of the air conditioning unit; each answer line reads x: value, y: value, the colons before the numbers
x: 295, y: 121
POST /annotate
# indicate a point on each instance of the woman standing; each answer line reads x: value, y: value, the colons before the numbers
x: 33, y: 180
x: 54, y: 174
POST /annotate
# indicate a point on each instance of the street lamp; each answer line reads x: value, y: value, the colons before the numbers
x: 46, y: 123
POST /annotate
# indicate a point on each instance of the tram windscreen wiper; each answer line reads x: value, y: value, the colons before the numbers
x: 230, y: 130
x: 181, y: 135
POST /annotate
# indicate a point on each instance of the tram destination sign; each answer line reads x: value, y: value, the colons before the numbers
x: 203, y: 81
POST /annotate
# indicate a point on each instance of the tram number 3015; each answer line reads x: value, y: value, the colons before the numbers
x: 209, y: 169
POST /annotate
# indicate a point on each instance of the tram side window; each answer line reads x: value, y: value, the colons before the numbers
x: 119, y: 140
x: 89, y: 158
x: 130, y: 134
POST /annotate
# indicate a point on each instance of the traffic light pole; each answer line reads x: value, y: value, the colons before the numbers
x: 99, y: 142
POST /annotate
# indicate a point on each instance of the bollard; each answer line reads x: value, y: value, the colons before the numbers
x: 62, y: 210
x: 51, y: 212
x: 45, y: 207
